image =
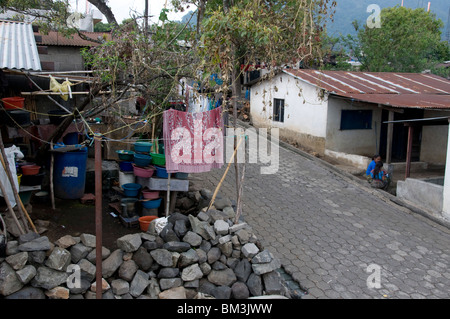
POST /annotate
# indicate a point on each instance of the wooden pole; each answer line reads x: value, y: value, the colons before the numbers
x: 409, y: 151
x: 8, y: 204
x: 52, y: 189
x: 98, y: 216
x: 5, y: 164
x: 168, y: 196
x: 390, y: 135
x: 224, y: 174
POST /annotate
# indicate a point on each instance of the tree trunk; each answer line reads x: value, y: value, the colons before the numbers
x: 103, y: 7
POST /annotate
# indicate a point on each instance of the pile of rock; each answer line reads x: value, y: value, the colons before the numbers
x: 181, y: 257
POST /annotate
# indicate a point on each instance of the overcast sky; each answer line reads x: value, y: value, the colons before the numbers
x: 124, y: 9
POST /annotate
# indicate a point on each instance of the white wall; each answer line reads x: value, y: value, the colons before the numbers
x: 446, y: 196
x: 305, y: 111
x: 433, y: 148
x: 360, y: 142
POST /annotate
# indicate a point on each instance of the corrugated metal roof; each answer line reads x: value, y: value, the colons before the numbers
x: 388, y: 88
x: 58, y: 39
x: 18, y: 47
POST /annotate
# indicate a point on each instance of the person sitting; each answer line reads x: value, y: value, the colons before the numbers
x: 380, y: 178
x: 375, y: 159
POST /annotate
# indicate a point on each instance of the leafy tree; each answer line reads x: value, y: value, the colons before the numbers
x: 409, y: 40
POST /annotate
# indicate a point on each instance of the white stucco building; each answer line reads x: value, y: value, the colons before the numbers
x: 350, y: 116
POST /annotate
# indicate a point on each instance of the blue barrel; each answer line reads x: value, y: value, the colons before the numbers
x: 69, y: 175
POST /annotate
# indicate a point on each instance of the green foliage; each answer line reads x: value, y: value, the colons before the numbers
x: 408, y: 41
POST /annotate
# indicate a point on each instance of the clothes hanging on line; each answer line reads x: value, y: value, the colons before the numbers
x: 193, y: 142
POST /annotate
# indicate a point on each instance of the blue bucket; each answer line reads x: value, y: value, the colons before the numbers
x: 70, y: 174
x: 155, y: 203
x: 142, y: 160
x: 126, y: 166
x: 161, y: 172
x: 131, y: 189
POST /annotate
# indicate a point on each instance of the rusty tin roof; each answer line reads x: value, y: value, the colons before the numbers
x: 414, y: 90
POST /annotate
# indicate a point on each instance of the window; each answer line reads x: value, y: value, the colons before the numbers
x: 356, y: 120
x: 278, y: 110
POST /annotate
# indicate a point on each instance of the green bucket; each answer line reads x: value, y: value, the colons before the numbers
x: 158, y: 159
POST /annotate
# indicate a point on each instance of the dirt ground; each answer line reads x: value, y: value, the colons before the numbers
x: 71, y: 217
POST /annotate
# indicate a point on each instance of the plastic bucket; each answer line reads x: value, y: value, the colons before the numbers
x: 131, y: 189
x: 154, y: 203
x: 69, y: 175
x: 14, y: 102
x: 161, y: 172
x: 142, y: 160
x: 126, y: 178
x: 145, y: 221
x: 125, y: 155
x: 143, y: 171
x: 142, y: 147
x: 126, y: 166
x: 158, y: 159
x: 71, y: 138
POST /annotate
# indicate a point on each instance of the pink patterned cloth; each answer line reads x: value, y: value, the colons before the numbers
x: 193, y: 142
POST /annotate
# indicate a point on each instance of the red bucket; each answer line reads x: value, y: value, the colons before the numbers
x: 11, y: 103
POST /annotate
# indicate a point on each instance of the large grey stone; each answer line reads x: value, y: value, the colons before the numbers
x: 27, y: 293
x: 221, y: 227
x: 221, y: 292
x: 168, y: 272
x: 66, y: 241
x: 40, y: 243
x: 143, y: 259
x: 88, y: 269
x: 213, y: 255
x: 222, y: 277
x: 254, y: 284
x: 88, y: 240
x: 187, y: 258
x: 129, y: 243
x: 9, y: 281
x: 168, y: 234
x: 263, y: 257
x: 78, y: 252
x: 192, y: 272
x: 260, y: 269
x: 177, y: 246
x: 239, y: 290
x: 120, y: 287
x: 26, y: 274
x: 59, y: 259
x: 192, y: 239
x: 272, y: 283
x: 128, y: 269
x: 162, y: 256
x: 17, y: 261
x: 250, y: 250
x: 169, y: 283
x: 243, y: 270
x: 112, y: 263
x: 139, y: 283
x: 201, y: 228
x: 48, y: 278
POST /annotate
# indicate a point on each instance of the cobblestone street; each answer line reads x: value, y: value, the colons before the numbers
x: 334, y: 236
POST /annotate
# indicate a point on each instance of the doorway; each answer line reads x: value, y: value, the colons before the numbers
x: 400, y: 136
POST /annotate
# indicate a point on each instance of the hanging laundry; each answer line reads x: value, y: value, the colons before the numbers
x: 63, y: 88
x: 193, y: 142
